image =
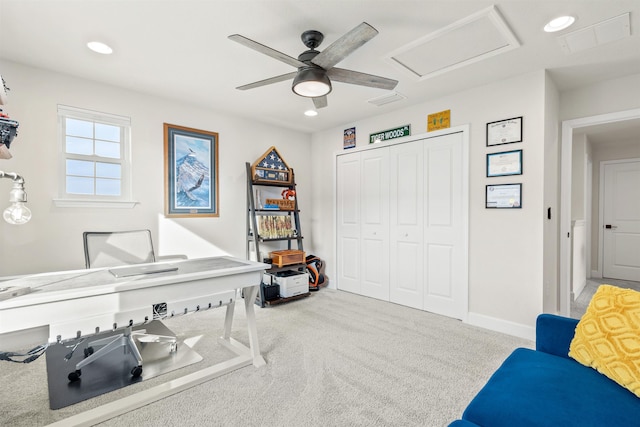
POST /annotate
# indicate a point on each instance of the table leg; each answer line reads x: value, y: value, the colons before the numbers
x: 250, y: 294
x: 228, y: 321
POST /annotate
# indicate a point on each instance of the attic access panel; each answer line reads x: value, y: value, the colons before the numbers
x: 471, y: 39
x: 271, y: 168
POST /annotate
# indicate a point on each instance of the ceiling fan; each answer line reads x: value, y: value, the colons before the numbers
x: 316, y: 69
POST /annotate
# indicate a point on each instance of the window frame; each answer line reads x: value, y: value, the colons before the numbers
x: 66, y: 199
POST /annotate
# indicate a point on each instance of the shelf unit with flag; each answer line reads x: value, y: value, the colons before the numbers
x: 274, y: 234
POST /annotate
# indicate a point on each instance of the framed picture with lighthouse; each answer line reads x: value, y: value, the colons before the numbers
x: 190, y: 172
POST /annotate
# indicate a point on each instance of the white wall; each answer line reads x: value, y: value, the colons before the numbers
x: 578, y: 176
x: 605, y: 97
x: 506, y: 246
x: 551, y: 227
x: 53, y: 238
x: 578, y: 257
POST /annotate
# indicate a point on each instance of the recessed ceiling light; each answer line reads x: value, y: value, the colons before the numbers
x: 311, y: 113
x: 100, y: 48
x: 559, y: 23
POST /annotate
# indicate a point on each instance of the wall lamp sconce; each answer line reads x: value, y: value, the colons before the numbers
x: 17, y: 213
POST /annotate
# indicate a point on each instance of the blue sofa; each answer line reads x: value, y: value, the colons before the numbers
x: 545, y: 387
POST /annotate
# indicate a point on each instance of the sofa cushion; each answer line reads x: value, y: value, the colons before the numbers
x: 607, y: 337
x: 533, y: 388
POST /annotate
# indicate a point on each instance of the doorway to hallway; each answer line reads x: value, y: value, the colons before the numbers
x: 620, y: 219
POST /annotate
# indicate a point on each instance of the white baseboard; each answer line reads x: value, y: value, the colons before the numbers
x: 595, y: 274
x: 503, y: 326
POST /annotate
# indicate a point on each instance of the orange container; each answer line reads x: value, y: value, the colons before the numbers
x: 287, y: 257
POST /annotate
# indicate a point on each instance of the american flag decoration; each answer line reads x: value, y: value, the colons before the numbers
x: 272, y: 168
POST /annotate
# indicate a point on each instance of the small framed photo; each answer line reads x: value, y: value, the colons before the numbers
x: 504, y: 131
x: 504, y: 163
x: 190, y: 172
x: 349, y: 139
x: 504, y: 196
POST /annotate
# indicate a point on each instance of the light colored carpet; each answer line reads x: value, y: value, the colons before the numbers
x: 579, y: 306
x: 333, y: 359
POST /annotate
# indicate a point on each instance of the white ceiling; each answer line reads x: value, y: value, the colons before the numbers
x: 178, y: 49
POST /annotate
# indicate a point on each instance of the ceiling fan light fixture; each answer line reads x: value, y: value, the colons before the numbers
x: 311, y: 82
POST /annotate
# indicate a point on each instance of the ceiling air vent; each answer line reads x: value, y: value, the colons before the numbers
x: 471, y: 39
x: 597, y: 34
x: 387, y: 99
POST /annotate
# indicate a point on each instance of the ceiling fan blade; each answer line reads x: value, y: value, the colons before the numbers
x: 267, y: 50
x: 345, y: 45
x: 362, y: 79
x: 320, y: 102
x: 269, y: 81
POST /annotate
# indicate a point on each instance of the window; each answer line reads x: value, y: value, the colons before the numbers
x: 95, y: 161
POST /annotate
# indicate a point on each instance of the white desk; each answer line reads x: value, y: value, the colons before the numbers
x: 66, y: 305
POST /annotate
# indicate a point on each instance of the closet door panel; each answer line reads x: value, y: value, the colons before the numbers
x: 374, y: 213
x: 348, y: 223
x: 439, y: 270
x: 445, y: 278
x: 406, y: 224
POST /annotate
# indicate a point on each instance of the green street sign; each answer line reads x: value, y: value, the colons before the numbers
x: 390, y: 134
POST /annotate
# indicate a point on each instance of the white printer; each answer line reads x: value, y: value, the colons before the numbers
x: 291, y: 282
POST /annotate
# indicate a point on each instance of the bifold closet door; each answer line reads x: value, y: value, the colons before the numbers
x: 445, y: 215
x: 406, y: 224
x: 348, y: 223
x: 374, y: 223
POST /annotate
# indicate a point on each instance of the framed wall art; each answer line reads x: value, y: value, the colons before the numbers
x: 504, y: 131
x: 190, y: 172
x: 504, y: 163
x: 349, y: 139
x: 504, y: 196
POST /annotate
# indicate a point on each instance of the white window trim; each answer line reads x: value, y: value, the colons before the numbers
x: 125, y: 201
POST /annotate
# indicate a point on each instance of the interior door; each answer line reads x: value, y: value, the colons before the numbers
x: 406, y: 224
x: 445, y: 212
x: 374, y: 223
x: 621, y: 219
x: 348, y: 223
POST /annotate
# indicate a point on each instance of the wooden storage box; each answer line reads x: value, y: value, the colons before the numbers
x: 287, y: 257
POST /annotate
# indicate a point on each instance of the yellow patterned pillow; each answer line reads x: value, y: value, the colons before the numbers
x: 608, y: 336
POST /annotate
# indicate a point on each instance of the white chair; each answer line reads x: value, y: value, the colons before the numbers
x: 112, y: 249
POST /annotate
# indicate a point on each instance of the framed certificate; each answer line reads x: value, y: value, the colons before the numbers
x: 504, y: 131
x: 504, y: 196
x: 504, y: 163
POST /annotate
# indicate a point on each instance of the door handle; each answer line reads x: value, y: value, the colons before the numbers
x: 611, y: 226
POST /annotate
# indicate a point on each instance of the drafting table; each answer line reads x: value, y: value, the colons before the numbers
x: 53, y: 307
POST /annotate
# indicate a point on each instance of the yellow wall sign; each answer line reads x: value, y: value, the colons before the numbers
x: 441, y: 120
